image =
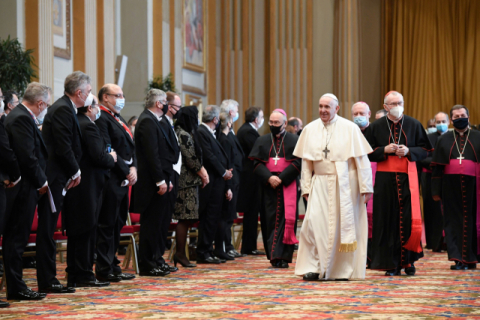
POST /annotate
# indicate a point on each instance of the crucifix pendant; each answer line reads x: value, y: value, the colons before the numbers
x: 326, y: 151
x: 276, y: 159
x: 461, y: 158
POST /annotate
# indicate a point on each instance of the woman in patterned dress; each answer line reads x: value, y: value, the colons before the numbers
x: 192, y: 175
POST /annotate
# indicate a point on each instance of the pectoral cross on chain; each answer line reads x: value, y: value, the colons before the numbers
x: 276, y: 159
x: 461, y: 158
x: 326, y: 151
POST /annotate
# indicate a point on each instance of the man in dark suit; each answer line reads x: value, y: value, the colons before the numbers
x: 9, y: 175
x: 231, y: 108
x: 62, y: 137
x: 114, y: 210
x: 174, y: 104
x: 27, y: 144
x: 211, y: 197
x: 248, y: 198
x: 82, y: 204
x: 155, y: 155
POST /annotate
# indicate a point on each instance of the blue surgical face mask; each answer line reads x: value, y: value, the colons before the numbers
x: 236, y: 117
x: 97, y: 116
x: 360, y: 121
x: 442, y: 127
x: 119, y: 104
x: 431, y: 130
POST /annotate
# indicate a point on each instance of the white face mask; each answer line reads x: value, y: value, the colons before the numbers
x: 42, y: 115
x: 2, y: 106
x: 396, y: 112
x: 260, y: 124
x: 89, y: 100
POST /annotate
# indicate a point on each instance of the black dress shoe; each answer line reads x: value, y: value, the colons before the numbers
x: 4, y: 304
x: 220, y: 259
x: 256, y: 253
x: 209, y: 260
x: 109, y: 278
x: 472, y: 265
x: 236, y: 254
x: 311, y: 276
x: 224, y: 256
x: 166, y: 267
x: 459, y: 266
x: 393, y: 272
x: 125, y: 276
x: 89, y: 283
x: 26, y: 294
x: 280, y: 264
x: 410, y: 271
x: 154, y: 273
x: 57, y: 288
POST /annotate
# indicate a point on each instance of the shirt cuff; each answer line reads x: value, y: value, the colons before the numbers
x: 76, y: 175
x: 160, y: 183
x: 224, y: 174
x: 18, y: 180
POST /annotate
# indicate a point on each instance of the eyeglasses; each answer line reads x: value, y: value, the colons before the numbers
x: 395, y: 104
x: 174, y: 105
x: 1, y: 97
x: 118, y: 95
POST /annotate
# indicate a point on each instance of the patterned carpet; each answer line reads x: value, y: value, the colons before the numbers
x: 248, y: 288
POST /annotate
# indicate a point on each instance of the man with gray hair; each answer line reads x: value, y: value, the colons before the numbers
x: 156, y: 155
x: 27, y: 144
x: 398, y: 142
x: 62, y: 136
x: 211, y: 196
x: 230, y: 209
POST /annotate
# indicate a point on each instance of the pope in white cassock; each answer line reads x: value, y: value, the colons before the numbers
x: 337, y: 182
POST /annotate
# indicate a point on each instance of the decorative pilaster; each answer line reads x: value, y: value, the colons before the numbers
x: 91, y: 41
x: 45, y: 43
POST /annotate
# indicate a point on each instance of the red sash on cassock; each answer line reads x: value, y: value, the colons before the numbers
x: 396, y: 164
x: 118, y: 120
x: 468, y: 168
x: 289, y: 199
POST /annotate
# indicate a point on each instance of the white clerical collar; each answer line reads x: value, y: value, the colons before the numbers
x: 335, y: 118
x: 156, y: 116
x: 253, y: 126
x: 209, y: 129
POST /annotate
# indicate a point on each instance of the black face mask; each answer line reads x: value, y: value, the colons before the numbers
x: 165, y: 108
x: 299, y: 132
x: 460, y: 123
x: 276, y: 130
x: 176, y: 115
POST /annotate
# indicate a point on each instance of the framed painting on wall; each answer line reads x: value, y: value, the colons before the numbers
x: 194, y: 35
x: 61, y: 26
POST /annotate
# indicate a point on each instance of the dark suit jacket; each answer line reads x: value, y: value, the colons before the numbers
x: 9, y: 169
x: 27, y: 143
x: 171, y: 137
x: 229, y: 149
x: 215, y: 160
x: 155, y: 155
x: 237, y: 157
x: 248, y: 194
x: 120, y: 141
x: 82, y: 203
x: 62, y: 137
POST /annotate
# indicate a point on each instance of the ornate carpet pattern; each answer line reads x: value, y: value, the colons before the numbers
x: 248, y: 288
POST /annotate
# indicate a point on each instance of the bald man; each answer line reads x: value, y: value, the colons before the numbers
x: 114, y: 210
x: 398, y: 142
x: 380, y: 113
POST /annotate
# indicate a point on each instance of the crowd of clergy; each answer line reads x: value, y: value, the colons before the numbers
x: 361, y: 184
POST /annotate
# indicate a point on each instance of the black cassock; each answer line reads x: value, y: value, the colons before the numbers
x: 392, y: 208
x: 458, y: 193
x: 273, y: 215
x: 432, y: 210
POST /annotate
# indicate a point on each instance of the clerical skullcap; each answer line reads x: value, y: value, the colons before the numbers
x: 281, y: 111
x: 330, y: 95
